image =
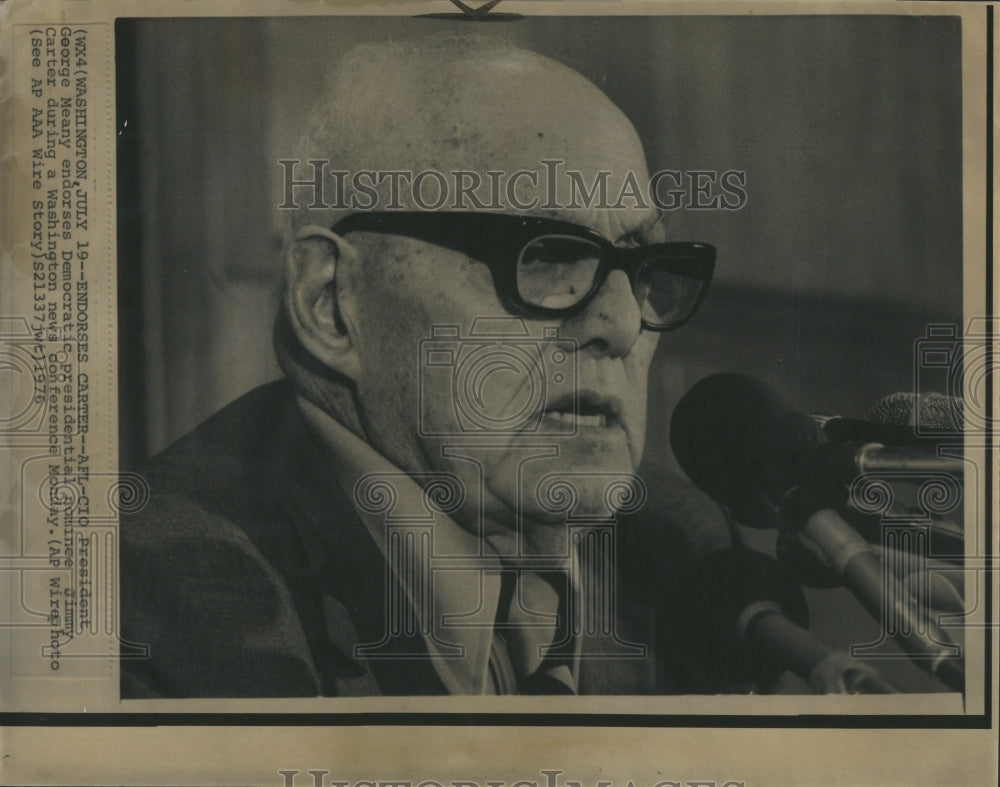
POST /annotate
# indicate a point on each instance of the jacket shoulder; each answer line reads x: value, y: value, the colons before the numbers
x: 204, y: 595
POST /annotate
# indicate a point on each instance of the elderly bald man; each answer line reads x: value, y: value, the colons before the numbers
x: 373, y: 524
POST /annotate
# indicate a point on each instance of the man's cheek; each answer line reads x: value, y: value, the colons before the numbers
x: 637, y: 368
x: 435, y: 408
x: 638, y: 361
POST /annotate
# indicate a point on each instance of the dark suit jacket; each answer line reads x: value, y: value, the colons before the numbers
x: 249, y: 574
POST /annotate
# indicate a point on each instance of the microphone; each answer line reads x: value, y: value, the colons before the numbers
x: 743, y: 444
x: 747, y: 623
x: 923, y: 413
x: 840, y: 429
x: 748, y: 448
x: 899, y: 419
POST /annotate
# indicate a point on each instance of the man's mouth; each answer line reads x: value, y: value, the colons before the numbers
x: 586, y: 409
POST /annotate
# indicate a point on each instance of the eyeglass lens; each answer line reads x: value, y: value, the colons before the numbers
x: 665, y: 296
x: 558, y: 271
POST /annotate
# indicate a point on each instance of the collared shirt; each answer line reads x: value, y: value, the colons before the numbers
x: 489, y: 625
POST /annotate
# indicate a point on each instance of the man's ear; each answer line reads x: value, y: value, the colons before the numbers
x: 314, y: 295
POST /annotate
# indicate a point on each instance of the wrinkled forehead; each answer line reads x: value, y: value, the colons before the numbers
x: 493, y: 112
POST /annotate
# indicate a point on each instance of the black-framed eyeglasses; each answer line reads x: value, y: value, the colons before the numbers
x: 549, y: 268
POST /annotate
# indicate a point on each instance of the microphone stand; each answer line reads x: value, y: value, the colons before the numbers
x: 839, y: 548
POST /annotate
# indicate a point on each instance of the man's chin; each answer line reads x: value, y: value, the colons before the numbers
x: 536, y: 499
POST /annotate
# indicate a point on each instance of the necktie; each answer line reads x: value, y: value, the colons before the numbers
x: 533, y: 652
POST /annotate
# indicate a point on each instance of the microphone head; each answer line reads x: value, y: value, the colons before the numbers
x: 928, y: 413
x: 742, y: 444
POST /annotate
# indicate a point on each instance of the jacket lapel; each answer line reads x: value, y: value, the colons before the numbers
x: 342, y: 586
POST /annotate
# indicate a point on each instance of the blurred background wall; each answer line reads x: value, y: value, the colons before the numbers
x: 849, y: 130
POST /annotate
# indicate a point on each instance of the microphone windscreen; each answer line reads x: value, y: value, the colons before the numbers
x: 741, y: 443
x: 932, y: 412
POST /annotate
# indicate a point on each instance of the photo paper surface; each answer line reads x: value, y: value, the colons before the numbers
x: 607, y: 388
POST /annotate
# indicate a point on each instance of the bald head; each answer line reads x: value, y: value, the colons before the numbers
x: 453, y: 103
x: 361, y: 303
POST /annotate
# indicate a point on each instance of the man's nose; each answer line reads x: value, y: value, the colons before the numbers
x: 611, y: 322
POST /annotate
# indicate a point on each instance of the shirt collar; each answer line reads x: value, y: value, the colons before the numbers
x: 463, y: 605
